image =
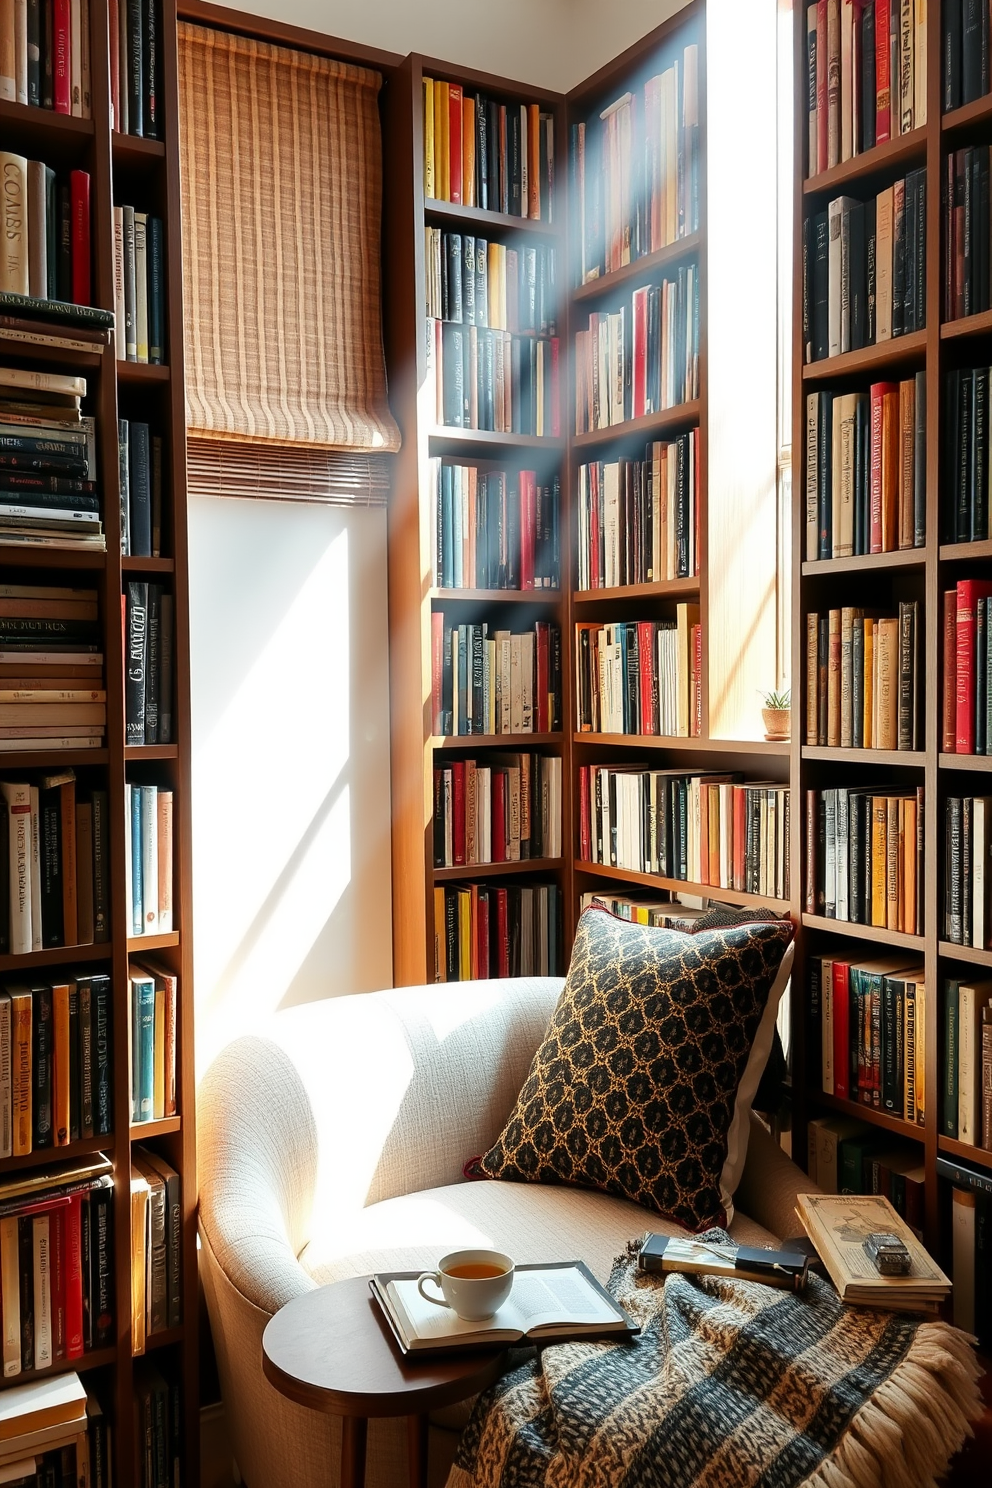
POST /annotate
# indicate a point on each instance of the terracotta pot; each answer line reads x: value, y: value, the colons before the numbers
x: 777, y: 723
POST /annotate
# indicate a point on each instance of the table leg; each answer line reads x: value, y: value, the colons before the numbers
x: 354, y: 1433
x: 417, y: 1433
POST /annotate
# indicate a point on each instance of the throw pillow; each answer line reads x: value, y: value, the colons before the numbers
x: 634, y: 1089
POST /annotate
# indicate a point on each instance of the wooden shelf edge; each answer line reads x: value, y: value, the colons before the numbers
x: 967, y: 115
x: 497, y: 870
x: 951, y: 952
x: 689, y: 743
x: 55, y: 956
x: 97, y: 1359
x: 43, y: 1157
x: 979, y: 324
x: 681, y: 886
x: 681, y: 416
x: 979, y: 1156
x: 965, y: 552
x: 143, y: 1131
x: 492, y: 438
x: 640, y: 268
x: 873, y: 1115
x: 22, y: 116
x: 514, y: 742
x: 894, y: 152
x: 864, y: 563
x: 138, y: 943
x: 663, y: 589
x: 151, y: 751
x: 868, y: 358
x: 849, y: 928
x: 496, y: 596
x: 905, y: 758
x: 978, y: 764
x: 478, y: 217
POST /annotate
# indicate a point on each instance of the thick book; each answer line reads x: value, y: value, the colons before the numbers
x: 839, y: 1224
x: 561, y: 1300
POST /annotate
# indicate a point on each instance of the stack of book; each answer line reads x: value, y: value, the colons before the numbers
x: 474, y: 282
x: 158, y: 1428
x: 866, y: 465
x: 641, y: 358
x: 135, y: 68
x: 965, y: 50
x: 33, y: 714
x: 482, y: 153
x: 643, y: 911
x: 866, y: 76
x: 139, y: 286
x: 56, y: 323
x: 638, y: 677
x: 495, y: 529
x: 505, y: 810
x: 48, y: 495
x: 967, y: 882
x: 154, y: 1007
x: 967, y: 663
x: 148, y: 841
x: 838, y: 1226
x: 971, y: 1246
x: 55, y: 1053
x: 870, y: 1017
x: 483, y: 930
x: 52, y: 668
x: 965, y: 503
x: 54, y: 1307
x: 149, y: 631
x: 864, y: 856
x: 864, y: 270
x: 638, y: 519
x: 636, y: 170
x: 966, y: 1112
x: 705, y: 829
x: 47, y: 252
x: 156, y: 1248
x: 54, y: 874
x: 494, y: 682
x: 862, y: 678
x: 966, y: 232
x: 140, y: 463
x: 45, y: 57
x: 492, y: 380
x: 44, y: 1434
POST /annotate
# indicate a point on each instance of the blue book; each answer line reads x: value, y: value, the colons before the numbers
x: 137, y: 900
x: 143, y: 1048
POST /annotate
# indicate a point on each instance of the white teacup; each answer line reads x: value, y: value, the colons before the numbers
x: 473, y: 1283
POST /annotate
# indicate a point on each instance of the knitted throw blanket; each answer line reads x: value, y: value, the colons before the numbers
x: 729, y: 1385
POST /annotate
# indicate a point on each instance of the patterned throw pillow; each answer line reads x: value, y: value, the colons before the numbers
x: 635, y: 1087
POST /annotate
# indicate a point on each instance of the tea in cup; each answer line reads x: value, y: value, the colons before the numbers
x: 473, y: 1283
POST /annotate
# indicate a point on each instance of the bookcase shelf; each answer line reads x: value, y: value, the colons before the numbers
x: 148, y: 565
x: 874, y: 933
x: 513, y: 742
x: 871, y: 1114
x: 459, y: 441
x: 977, y: 1156
x: 639, y: 271
x: 138, y: 943
x: 691, y: 744
x: 680, y: 886
x: 55, y: 356
x: 969, y: 552
x: 967, y: 325
x: 57, y: 956
x: 497, y: 596
x: 651, y: 426
x: 17, y: 556
x: 900, y: 351
x: 151, y: 751
x: 893, y: 157
x: 966, y: 119
x: 44, y: 130
x: 455, y: 214
x: 902, y: 558
x: 971, y: 954
x: 139, y: 373
x: 34, y: 759
x: 496, y: 870
x: 664, y: 589
x: 46, y: 1157
x: 979, y: 763
x: 130, y: 149
x: 143, y: 1131
x: 911, y: 758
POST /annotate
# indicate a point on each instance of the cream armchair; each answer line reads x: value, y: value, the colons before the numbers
x: 332, y: 1145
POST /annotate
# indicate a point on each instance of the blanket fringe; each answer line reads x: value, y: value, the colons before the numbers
x: 914, y: 1423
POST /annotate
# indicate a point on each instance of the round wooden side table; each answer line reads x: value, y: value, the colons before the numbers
x: 332, y: 1350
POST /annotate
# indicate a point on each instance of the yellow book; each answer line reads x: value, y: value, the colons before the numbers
x: 892, y: 863
x: 429, y: 175
x: 464, y: 934
x: 20, y: 1065
x: 869, y: 688
x: 468, y: 151
x: 492, y: 282
x: 440, y: 961
x: 908, y: 848
x: 879, y: 816
x: 442, y: 160
x: 140, y: 1194
x: 158, y: 1092
x: 60, y: 1070
x: 921, y: 1052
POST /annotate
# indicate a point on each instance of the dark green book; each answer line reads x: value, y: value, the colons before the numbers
x: 950, y: 1111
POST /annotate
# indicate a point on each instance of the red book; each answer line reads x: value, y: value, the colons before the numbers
x: 555, y: 399
x: 883, y: 78
x: 543, y: 645
x: 697, y: 673
x: 820, y: 163
x: 458, y: 812
x: 455, y: 141
x: 639, y: 393
x: 585, y: 817
x: 646, y: 656
x: 881, y: 476
x: 740, y: 835
x: 502, y: 933
x: 79, y: 195
x: 61, y: 69
x: 842, y: 1030
x: 949, y: 717
x: 437, y: 669
x: 56, y: 1276
x: 957, y: 167
x: 115, y: 65
x: 970, y: 591
x: 498, y: 789
x: 473, y: 932
x: 482, y: 970
x: 528, y: 525
x: 73, y: 1280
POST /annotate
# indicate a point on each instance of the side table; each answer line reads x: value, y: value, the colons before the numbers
x: 331, y: 1350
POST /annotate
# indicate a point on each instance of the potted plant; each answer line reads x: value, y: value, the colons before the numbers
x: 777, y: 715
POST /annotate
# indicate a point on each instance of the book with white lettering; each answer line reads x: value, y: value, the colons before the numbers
x: 556, y: 1301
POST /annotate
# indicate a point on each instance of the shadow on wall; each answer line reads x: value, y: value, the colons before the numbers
x: 289, y: 680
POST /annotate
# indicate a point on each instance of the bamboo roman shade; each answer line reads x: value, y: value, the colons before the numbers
x: 281, y: 192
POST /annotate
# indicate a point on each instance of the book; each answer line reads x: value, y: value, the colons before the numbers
x: 557, y: 1301
x: 469, y: 159
x: 838, y: 1226
x: 483, y: 931
x: 28, y: 1408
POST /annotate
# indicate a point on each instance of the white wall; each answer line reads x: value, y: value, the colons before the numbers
x: 289, y: 677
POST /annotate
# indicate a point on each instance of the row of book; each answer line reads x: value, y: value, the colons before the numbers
x: 56, y: 1265
x: 967, y: 882
x: 505, y: 810
x: 638, y: 519
x: 50, y: 673
x: 474, y: 282
x: 636, y: 170
x: 483, y: 153
x: 869, y: 1018
x: 493, y: 380
x: 154, y: 1013
x: 55, y: 1062
x: 139, y: 286
x: 45, y: 56
x: 848, y: 1156
x: 864, y: 856
x: 159, y: 1440
x: 866, y: 468
x: 971, y: 1248
x: 640, y: 677
x: 483, y: 931
x: 135, y: 68
x: 866, y: 76
x: 32, y: 615
x: 140, y: 466
x: 965, y: 615
x: 54, y: 864
x: 156, y: 1247
x: 639, y: 359
x: 640, y: 910
x: 862, y: 679
x: 710, y: 829
x: 965, y: 498
x: 148, y: 840
x: 148, y: 613
x: 495, y: 529
x: 966, y: 232
x: 55, y: 1436
x: 494, y: 682
x: 864, y: 269
x: 966, y: 1113
x: 47, y: 252
x: 965, y: 51
x: 48, y: 494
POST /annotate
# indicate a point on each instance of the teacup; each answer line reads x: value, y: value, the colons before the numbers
x: 473, y: 1283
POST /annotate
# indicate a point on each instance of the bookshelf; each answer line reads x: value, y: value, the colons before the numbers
x: 142, y: 172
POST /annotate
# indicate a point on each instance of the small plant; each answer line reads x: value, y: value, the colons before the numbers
x: 778, y: 700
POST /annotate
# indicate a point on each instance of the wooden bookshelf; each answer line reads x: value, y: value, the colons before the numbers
x: 124, y: 169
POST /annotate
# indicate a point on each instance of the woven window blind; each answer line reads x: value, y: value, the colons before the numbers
x: 282, y: 186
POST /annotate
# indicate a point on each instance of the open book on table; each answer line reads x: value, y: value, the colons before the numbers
x: 561, y: 1300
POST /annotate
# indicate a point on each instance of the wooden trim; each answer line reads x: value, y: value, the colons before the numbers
x: 262, y: 28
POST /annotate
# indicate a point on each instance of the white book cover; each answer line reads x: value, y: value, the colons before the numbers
x: 149, y: 859
x: 39, y: 1408
x: 141, y: 285
x: 35, y: 869
x: 6, y: 1112
x: 18, y: 799
x: 920, y: 66
x: 980, y: 849
x: 41, y: 1236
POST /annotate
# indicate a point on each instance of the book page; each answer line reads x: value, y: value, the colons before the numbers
x: 423, y: 1320
x: 543, y: 1299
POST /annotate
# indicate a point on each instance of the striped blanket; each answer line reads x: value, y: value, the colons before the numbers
x: 729, y: 1385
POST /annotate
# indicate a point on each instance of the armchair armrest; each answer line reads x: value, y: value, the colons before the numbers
x: 770, y: 1183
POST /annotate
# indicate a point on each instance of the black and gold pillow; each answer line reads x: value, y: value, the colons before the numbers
x: 635, y: 1087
